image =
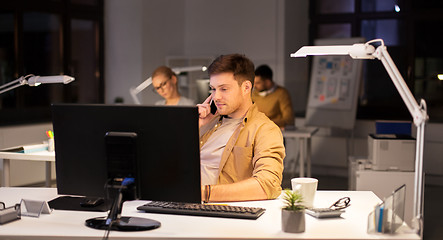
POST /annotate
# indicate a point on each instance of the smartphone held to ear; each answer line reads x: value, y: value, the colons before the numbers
x: 213, y: 107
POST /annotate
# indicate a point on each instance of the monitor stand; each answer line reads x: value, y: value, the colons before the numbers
x: 123, y: 224
x: 118, y: 223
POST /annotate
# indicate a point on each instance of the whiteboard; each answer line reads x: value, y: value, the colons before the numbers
x: 333, y: 90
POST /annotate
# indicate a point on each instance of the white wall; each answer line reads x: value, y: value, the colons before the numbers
x: 296, y: 71
x: 123, y: 44
x: 163, y: 31
x: 231, y: 26
x: 157, y: 29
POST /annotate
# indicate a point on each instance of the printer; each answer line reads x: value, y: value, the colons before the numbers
x: 391, y: 152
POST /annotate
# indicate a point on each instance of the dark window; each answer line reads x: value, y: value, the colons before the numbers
x: 410, y: 32
x: 334, y: 30
x: 50, y: 37
x: 336, y: 6
x: 381, y: 5
x: 86, y: 2
x: 429, y: 65
x: 83, y: 47
x: 7, y: 63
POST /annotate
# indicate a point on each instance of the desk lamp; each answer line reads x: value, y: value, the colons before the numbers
x: 418, y: 111
x: 147, y: 82
x: 34, y: 81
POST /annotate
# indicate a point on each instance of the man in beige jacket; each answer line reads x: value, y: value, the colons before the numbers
x: 272, y: 100
x: 242, y: 150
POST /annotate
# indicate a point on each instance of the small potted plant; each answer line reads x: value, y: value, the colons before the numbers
x: 293, y: 213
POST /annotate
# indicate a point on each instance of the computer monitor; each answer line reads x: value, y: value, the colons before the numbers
x: 167, y: 150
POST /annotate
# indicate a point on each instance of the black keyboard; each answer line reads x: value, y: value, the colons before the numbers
x: 207, y: 210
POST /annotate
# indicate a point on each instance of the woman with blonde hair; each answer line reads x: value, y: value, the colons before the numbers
x: 165, y: 84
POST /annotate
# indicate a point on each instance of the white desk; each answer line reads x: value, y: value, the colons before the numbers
x: 45, y: 156
x: 70, y: 225
x: 304, y: 135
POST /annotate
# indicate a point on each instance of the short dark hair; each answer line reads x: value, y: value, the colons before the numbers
x: 238, y: 64
x: 264, y: 71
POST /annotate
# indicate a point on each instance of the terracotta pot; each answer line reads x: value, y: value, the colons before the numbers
x: 293, y: 221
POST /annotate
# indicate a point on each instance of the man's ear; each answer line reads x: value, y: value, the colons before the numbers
x: 247, y: 87
x: 268, y: 83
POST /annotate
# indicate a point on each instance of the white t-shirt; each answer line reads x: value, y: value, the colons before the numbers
x: 211, y: 152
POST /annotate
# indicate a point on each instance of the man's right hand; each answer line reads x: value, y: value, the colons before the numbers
x: 204, y: 112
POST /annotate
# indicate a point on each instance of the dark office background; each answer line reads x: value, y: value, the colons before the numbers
x: 51, y: 37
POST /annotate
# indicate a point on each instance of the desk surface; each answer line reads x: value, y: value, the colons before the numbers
x: 305, y: 132
x: 68, y: 224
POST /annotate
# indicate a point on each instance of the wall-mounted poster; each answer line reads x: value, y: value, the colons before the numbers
x: 334, y: 85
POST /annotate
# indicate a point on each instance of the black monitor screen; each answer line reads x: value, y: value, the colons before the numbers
x: 165, y: 145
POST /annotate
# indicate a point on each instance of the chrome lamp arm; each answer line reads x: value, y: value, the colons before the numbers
x: 13, y: 84
x: 34, y: 81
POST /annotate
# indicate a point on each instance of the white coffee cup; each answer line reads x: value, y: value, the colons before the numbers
x: 307, y: 188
